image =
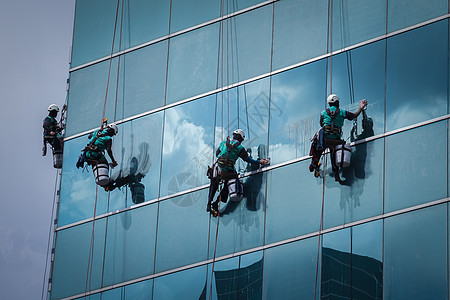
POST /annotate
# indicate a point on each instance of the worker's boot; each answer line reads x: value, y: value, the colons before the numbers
x: 215, y: 209
x: 316, y: 170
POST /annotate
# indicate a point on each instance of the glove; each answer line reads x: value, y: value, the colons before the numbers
x: 362, y: 103
x: 113, y: 164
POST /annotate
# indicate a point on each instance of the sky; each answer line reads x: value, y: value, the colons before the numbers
x: 36, y: 37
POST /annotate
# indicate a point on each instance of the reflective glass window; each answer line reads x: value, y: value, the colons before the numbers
x: 137, y: 150
x: 297, y: 98
x: 357, y: 21
x: 415, y: 255
x: 114, y: 294
x: 294, y: 198
x: 139, y: 291
x: 241, y: 223
x: 142, y: 80
x: 360, y: 74
x: 187, y: 148
x: 245, y: 107
x: 78, y: 188
x: 416, y: 86
x: 72, y: 259
x: 235, y: 5
x: 188, y: 13
x: 87, y: 97
x: 143, y: 21
x: 246, y: 49
x: 182, y: 231
x: 300, y: 31
x: 336, y: 265
x: 130, y: 245
x: 236, y: 278
x: 360, y: 195
x: 193, y: 60
x: 290, y: 270
x: 402, y: 14
x: 188, y: 284
x: 93, y: 30
x: 415, y: 166
x: 367, y: 260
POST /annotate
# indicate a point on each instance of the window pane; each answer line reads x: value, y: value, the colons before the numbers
x: 137, y: 149
x: 300, y: 31
x: 193, y: 61
x: 426, y: 178
x: 292, y: 211
x: 357, y: 21
x: 402, y: 14
x: 78, y: 188
x: 186, y: 284
x: 236, y: 278
x: 87, y: 97
x: 360, y: 74
x: 187, y: 149
x: 241, y: 224
x: 130, y: 245
x: 182, y: 240
x: 415, y: 255
x: 93, y: 30
x: 143, y: 21
x: 297, y: 100
x: 188, y: 13
x: 70, y: 269
x: 139, y: 291
x: 416, y: 87
x: 115, y: 294
x: 361, y: 194
x: 367, y: 262
x: 336, y: 265
x: 290, y: 270
x: 247, y: 48
x: 142, y: 80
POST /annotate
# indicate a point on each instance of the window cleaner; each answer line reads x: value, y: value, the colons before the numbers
x: 52, y: 135
x: 94, y: 154
x: 223, y: 171
x: 331, y: 121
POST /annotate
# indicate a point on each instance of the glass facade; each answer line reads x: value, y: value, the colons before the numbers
x: 179, y: 76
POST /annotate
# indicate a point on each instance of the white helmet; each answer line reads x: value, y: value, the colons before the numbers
x: 333, y: 98
x: 113, y: 127
x: 239, y: 132
x: 53, y: 107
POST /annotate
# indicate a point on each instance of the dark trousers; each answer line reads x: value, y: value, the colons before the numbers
x: 331, y: 144
x: 214, y: 186
x: 55, y: 141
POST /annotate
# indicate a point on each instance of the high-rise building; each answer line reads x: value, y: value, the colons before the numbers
x: 178, y: 76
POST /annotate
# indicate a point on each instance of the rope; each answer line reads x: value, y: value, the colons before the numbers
x: 91, y: 247
x: 49, y: 234
x: 324, y: 160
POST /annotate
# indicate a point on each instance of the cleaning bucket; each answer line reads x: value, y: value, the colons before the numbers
x: 235, y: 189
x: 343, y: 153
x: 57, y: 159
x: 137, y: 192
x: 101, y: 171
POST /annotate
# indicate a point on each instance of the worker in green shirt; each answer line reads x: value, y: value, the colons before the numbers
x: 332, y: 120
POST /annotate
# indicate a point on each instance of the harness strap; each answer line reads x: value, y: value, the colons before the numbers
x: 330, y: 128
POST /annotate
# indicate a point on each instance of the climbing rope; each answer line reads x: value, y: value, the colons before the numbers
x: 324, y: 159
x: 91, y: 247
x: 49, y: 245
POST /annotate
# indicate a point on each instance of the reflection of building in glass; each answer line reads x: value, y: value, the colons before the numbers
x: 350, y: 276
x: 182, y: 76
x: 240, y: 284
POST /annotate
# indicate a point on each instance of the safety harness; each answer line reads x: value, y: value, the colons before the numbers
x: 90, y: 147
x: 224, y: 160
x: 331, y: 129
